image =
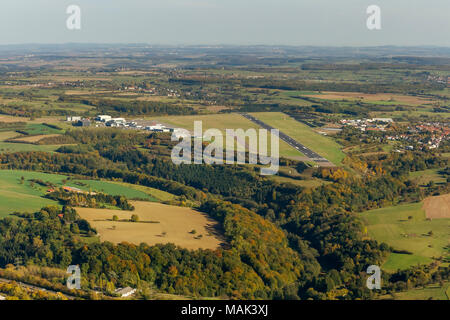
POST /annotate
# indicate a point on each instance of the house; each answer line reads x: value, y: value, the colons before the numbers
x: 125, y: 292
x: 103, y: 118
x: 73, y: 119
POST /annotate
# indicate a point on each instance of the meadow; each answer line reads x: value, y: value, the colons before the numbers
x: 17, y: 196
x: 158, y: 223
x: 405, y: 227
x: 24, y: 147
x: 424, y: 177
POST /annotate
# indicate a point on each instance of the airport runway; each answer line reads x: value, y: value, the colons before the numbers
x: 290, y: 141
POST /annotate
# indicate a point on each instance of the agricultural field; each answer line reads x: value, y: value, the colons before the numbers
x: 385, y: 98
x: 40, y: 129
x: 307, y: 183
x: 406, y: 227
x: 5, y: 135
x: 34, y: 139
x: 152, y: 192
x: 16, y: 196
x: 158, y: 223
x: 437, y: 207
x: 429, y: 292
x: 324, y: 146
x: 20, y: 146
x: 25, y: 147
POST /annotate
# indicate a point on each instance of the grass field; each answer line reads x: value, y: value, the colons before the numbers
x: 170, y: 225
x: 15, y: 196
x: 223, y: 122
x: 39, y: 129
x: 27, y: 146
x: 4, y: 135
x: 155, y: 193
x: 393, y: 226
x: 424, y: 177
x: 433, y: 292
x: 324, y: 146
x: 34, y: 139
x: 310, y: 183
x: 19, y: 197
x: 24, y: 147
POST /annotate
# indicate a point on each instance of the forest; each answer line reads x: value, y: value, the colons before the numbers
x: 286, y: 242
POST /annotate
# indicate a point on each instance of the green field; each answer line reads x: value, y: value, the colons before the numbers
x: 425, y: 176
x: 324, y: 146
x: 37, y: 128
x: 33, y: 129
x: 15, y: 196
x: 393, y: 226
x: 21, y: 147
x: 24, y: 147
x: 434, y: 292
x: 4, y: 135
x: 155, y: 193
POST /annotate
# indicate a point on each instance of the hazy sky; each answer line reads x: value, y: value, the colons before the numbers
x: 246, y: 22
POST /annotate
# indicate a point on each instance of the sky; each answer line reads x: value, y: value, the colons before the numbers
x: 234, y: 22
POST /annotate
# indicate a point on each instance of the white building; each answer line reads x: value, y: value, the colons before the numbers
x: 118, y: 120
x: 73, y: 119
x: 387, y: 120
x: 103, y: 118
x: 180, y: 133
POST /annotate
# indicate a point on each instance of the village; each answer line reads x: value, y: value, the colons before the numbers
x: 421, y: 135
